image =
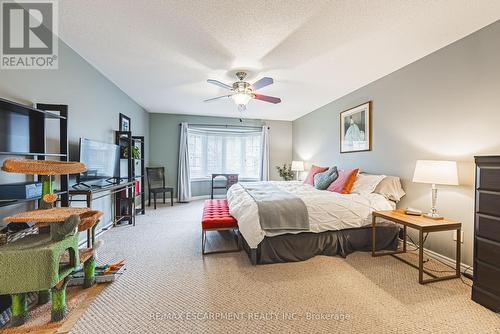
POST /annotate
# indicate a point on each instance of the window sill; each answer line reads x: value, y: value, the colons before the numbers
x: 205, y: 179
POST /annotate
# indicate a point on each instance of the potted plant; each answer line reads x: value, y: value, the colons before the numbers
x: 136, y: 152
x: 285, y: 172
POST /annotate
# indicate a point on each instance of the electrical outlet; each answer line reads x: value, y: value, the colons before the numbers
x: 461, y: 236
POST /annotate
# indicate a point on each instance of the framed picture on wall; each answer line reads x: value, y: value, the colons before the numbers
x: 124, y: 123
x: 356, y: 129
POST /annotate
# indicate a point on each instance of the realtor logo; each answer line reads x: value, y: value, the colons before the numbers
x: 29, y: 34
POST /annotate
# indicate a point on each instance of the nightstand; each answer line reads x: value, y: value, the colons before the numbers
x: 422, y: 225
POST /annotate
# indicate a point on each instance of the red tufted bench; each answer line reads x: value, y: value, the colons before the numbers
x: 216, y: 217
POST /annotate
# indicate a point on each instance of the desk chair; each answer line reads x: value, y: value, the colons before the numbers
x: 156, y: 185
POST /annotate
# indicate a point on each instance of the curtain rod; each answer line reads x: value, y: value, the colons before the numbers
x: 227, y: 126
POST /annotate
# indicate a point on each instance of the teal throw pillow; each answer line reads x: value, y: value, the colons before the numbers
x: 323, y: 180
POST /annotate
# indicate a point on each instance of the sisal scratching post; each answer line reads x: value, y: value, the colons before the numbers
x: 47, y: 190
x: 19, y: 309
x: 58, y: 294
x: 89, y: 271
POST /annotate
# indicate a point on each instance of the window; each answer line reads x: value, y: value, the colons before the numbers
x: 224, y: 151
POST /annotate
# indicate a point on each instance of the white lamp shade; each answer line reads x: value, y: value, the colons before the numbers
x: 241, y: 98
x: 298, y: 166
x: 436, y: 172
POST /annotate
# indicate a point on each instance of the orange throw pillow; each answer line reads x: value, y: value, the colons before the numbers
x: 313, y: 171
x: 343, y: 184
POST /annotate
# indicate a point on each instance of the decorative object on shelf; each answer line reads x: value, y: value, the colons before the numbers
x: 125, y: 123
x: 435, y: 172
x: 136, y: 153
x: 285, y: 172
x: 355, y: 129
x: 297, y: 166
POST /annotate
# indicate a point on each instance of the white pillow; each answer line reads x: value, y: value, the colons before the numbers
x: 366, y: 183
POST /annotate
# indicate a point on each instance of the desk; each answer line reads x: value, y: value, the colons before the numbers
x: 423, y: 225
x: 113, y: 190
x: 230, y: 180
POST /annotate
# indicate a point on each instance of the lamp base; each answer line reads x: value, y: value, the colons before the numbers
x: 433, y: 215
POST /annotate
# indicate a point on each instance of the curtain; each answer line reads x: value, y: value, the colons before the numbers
x: 264, y: 167
x: 183, y: 181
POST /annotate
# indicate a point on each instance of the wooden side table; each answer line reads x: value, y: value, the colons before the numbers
x: 422, y: 225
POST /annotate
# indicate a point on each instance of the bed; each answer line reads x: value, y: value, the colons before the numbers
x: 338, y: 224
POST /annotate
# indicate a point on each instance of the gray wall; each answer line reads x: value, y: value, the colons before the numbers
x: 94, y: 103
x: 164, y: 143
x: 444, y: 106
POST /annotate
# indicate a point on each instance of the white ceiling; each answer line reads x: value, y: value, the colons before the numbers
x: 161, y: 52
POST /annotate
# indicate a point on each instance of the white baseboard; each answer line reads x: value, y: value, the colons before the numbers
x: 442, y: 258
x: 104, y: 229
x: 196, y: 198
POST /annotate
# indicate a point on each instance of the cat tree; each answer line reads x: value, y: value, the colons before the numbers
x: 33, y: 263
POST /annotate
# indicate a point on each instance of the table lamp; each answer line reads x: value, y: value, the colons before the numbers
x: 297, y: 166
x: 435, y: 172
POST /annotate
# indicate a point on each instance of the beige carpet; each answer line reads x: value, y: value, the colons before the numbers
x: 169, y: 288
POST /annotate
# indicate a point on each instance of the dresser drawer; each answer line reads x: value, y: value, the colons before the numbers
x: 488, y: 251
x: 486, y: 298
x: 489, y: 179
x: 489, y: 203
x: 488, y: 227
x: 487, y: 277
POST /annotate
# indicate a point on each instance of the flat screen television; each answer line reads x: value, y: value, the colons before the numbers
x: 21, y: 128
x: 101, y: 159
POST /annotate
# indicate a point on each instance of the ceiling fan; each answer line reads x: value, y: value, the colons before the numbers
x: 242, y: 92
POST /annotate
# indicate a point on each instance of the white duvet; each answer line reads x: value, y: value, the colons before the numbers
x: 327, y: 210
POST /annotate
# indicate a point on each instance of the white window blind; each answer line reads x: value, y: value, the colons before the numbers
x: 221, y: 150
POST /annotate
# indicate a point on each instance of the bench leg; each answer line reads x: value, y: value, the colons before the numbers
x: 154, y: 199
x: 58, y: 310
x: 43, y: 297
x: 171, y: 198
x: 203, y: 244
x: 89, y: 271
x: 19, y: 309
x: 203, y: 234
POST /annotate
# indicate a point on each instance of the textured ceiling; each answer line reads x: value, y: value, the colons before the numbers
x: 161, y: 52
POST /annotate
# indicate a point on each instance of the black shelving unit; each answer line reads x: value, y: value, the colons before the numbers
x: 139, y: 142
x: 37, y: 118
x: 126, y: 141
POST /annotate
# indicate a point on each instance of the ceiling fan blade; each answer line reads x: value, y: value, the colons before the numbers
x: 218, y: 83
x: 267, y: 98
x: 266, y: 81
x: 216, y: 98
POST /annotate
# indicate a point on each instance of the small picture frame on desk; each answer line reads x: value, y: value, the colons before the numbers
x: 125, y: 123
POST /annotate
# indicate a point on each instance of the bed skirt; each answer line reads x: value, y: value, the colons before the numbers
x: 303, y: 246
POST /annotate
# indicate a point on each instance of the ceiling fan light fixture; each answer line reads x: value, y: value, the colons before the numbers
x: 241, y: 98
